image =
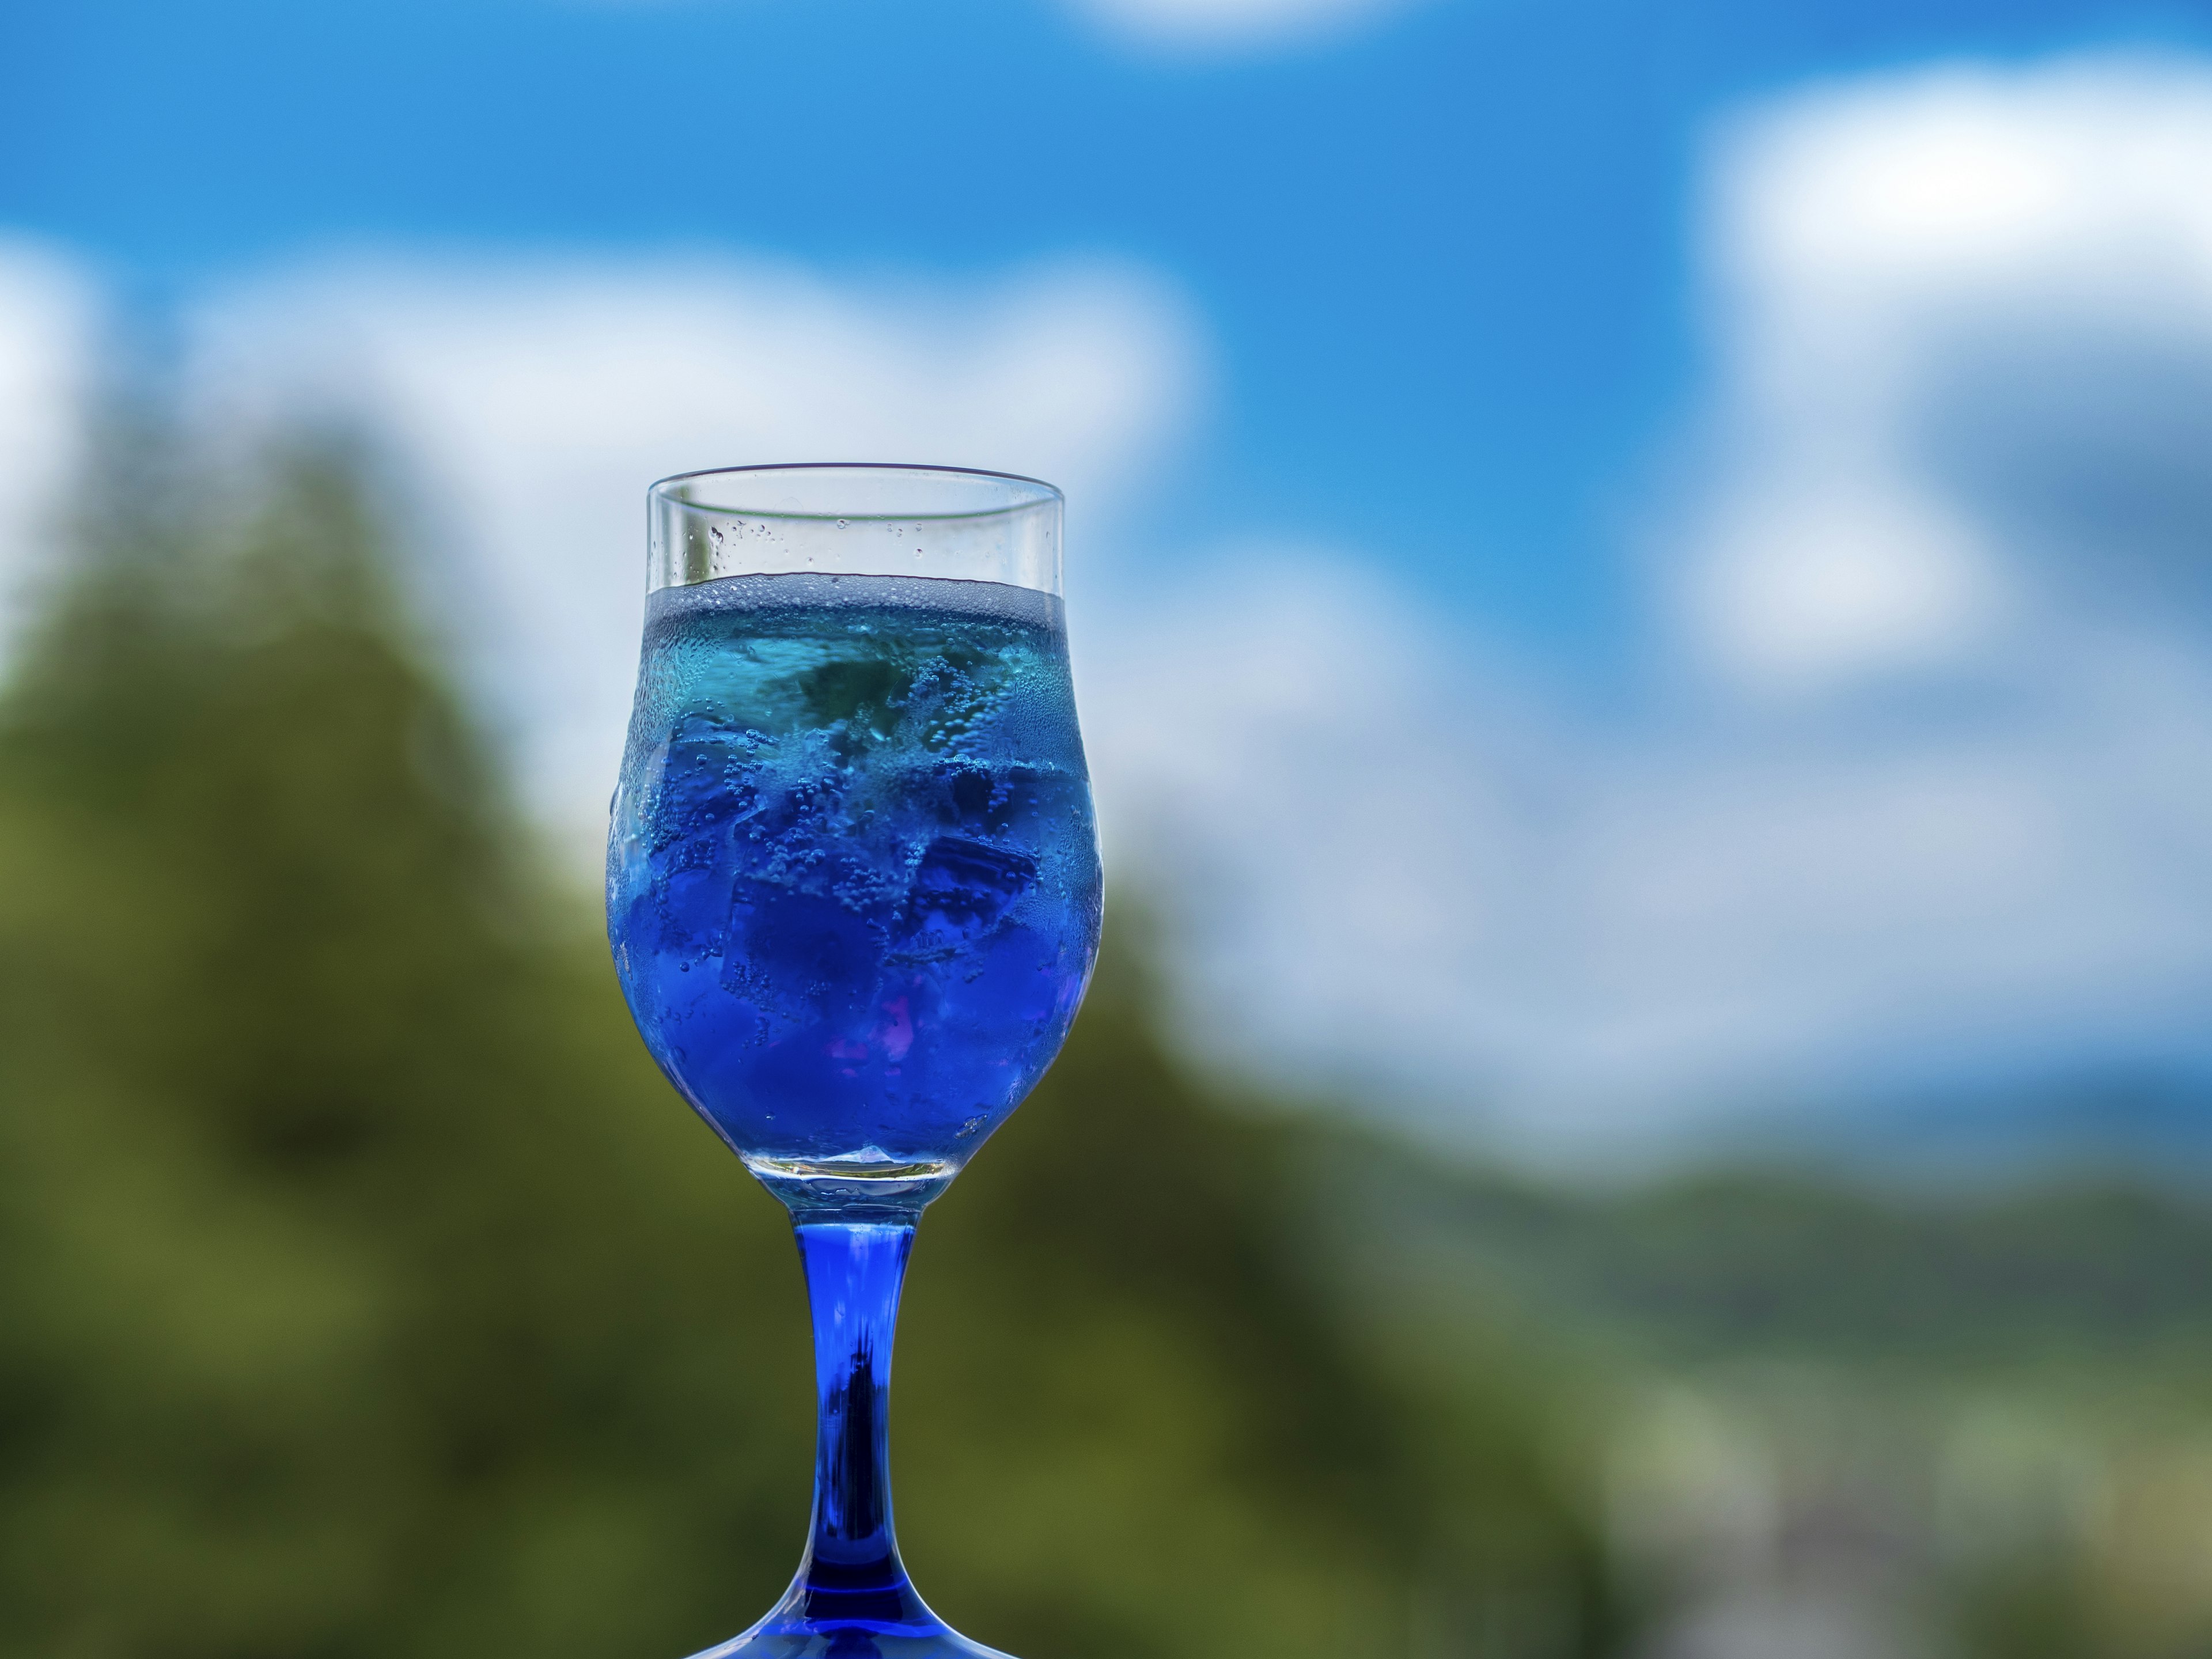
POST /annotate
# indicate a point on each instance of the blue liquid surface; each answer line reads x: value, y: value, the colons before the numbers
x: 853, y: 885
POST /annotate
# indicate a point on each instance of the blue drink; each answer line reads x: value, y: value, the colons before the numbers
x: 853, y: 885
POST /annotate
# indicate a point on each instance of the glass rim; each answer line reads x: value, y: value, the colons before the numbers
x: 1044, y: 494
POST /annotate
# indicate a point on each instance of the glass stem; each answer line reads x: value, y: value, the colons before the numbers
x: 854, y: 1273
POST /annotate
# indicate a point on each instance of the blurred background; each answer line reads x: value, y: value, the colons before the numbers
x: 1642, y: 585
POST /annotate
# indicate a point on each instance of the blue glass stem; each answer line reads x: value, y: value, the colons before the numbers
x: 852, y: 1573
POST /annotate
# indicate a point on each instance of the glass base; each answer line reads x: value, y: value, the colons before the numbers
x: 800, y: 1628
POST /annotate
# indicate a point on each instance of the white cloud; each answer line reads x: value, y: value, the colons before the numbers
x: 1801, y: 579
x: 1212, y: 27
x: 1271, y: 750
x: 538, y: 401
x: 1382, y: 862
x: 1923, y: 783
x: 1880, y: 251
x: 2082, y: 179
x: 1202, y: 28
x: 46, y: 327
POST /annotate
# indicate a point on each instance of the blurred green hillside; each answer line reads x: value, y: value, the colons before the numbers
x: 363, y: 1290
x: 2072, y: 1274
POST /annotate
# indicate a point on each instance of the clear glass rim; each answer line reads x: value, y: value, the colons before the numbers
x: 1036, y: 492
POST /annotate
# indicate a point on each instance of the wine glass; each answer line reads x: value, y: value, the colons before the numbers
x: 853, y: 895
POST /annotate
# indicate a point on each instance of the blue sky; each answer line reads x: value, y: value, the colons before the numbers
x: 1601, y: 520
x: 1441, y: 251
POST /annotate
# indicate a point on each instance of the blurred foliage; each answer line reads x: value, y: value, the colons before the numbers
x: 364, y: 1292
x: 2070, y: 1272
